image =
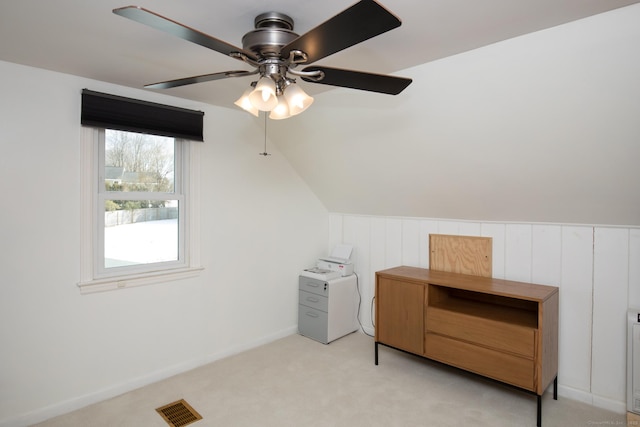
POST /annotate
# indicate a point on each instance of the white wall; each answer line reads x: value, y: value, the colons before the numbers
x: 60, y: 350
x: 595, y: 267
x: 543, y: 128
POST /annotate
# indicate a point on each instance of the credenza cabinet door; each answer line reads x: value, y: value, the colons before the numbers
x: 400, y: 314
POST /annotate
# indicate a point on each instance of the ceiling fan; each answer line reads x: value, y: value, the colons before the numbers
x: 275, y: 52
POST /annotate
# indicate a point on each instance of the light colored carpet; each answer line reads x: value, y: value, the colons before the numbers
x: 296, y: 381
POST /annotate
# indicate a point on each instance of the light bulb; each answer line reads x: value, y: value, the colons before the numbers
x: 263, y: 97
x: 244, y: 103
x: 281, y: 111
x: 297, y: 99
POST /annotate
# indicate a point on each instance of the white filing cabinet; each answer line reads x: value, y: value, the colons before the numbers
x: 327, y: 309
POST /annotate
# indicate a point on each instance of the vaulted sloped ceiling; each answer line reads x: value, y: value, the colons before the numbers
x: 539, y: 128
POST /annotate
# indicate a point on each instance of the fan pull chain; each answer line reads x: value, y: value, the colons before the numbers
x: 264, y: 153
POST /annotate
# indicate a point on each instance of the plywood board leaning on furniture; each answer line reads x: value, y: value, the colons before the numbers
x: 461, y: 254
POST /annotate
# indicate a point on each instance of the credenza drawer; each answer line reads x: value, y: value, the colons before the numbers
x: 494, y: 364
x: 499, y: 335
x: 313, y: 300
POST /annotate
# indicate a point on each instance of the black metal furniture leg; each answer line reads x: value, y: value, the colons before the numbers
x: 555, y: 397
x: 539, y: 411
x: 376, y: 352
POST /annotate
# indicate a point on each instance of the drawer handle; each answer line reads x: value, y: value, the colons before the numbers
x: 313, y: 285
x: 312, y: 314
x: 312, y: 299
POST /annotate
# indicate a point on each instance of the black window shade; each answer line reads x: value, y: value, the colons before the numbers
x: 120, y: 113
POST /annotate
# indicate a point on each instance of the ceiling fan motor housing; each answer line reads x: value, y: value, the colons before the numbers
x: 273, y: 31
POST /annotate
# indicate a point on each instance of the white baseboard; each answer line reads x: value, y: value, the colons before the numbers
x: 248, y: 346
x: 79, y: 402
x: 592, y: 399
x: 609, y: 404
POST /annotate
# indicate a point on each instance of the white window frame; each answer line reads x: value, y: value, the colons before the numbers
x: 93, y: 278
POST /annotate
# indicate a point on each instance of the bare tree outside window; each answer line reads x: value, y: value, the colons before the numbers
x: 145, y: 162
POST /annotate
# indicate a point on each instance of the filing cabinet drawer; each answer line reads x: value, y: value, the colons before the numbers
x: 313, y: 323
x: 314, y: 286
x: 313, y: 300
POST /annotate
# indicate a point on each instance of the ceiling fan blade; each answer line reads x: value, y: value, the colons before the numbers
x: 159, y: 22
x: 199, y: 79
x: 360, y: 22
x: 390, y: 85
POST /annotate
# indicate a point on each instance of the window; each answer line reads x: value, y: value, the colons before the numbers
x: 139, y: 216
x: 139, y: 192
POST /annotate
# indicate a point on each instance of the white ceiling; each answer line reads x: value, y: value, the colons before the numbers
x: 85, y: 38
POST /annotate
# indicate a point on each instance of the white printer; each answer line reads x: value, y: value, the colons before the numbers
x: 338, y: 264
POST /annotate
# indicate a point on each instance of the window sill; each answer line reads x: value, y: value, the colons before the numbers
x: 122, y: 282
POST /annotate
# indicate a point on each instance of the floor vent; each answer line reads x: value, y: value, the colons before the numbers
x: 178, y: 414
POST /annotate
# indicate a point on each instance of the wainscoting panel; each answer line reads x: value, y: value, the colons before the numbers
x: 610, y: 303
x: 411, y: 242
x: 518, y: 252
x: 393, y: 242
x: 546, y: 254
x: 576, y: 308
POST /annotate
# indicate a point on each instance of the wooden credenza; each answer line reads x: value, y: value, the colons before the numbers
x: 500, y: 329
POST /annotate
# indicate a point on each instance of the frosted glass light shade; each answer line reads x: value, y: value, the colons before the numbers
x: 281, y: 111
x: 244, y: 103
x: 297, y: 99
x: 263, y: 97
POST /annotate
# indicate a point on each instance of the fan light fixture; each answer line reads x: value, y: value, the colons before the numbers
x: 281, y: 96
